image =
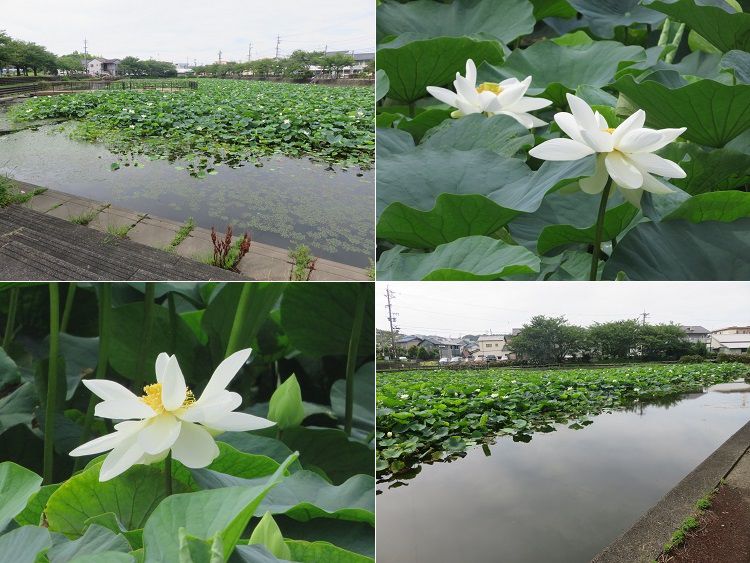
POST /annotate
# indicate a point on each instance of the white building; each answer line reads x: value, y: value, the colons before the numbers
x: 730, y: 343
x: 697, y: 334
x: 494, y: 344
x: 733, y: 330
x: 103, y: 67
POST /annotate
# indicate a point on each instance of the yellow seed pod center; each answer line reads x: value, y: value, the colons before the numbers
x: 489, y: 87
x: 610, y: 130
x: 153, y: 398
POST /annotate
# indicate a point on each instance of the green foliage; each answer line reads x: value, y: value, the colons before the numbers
x: 431, y: 416
x: 267, y: 533
x: 548, y: 340
x: 330, y: 493
x: 224, y: 121
x: 436, y: 200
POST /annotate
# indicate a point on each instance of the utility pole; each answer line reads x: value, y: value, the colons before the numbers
x: 219, y: 56
x: 278, y: 42
x: 325, y: 50
x: 86, y: 55
x: 644, y: 315
x: 250, y: 52
x: 391, y: 319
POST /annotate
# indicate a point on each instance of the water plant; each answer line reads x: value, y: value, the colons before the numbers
x: 432, y: 415
x: 645, y: 179
x: 303, y: 263
x: 227, y: 255
x: 298, y: 487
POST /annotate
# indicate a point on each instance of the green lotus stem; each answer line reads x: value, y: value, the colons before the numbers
x: 168, y: 473
x: 172, y: 324
x: 69, y: 297
x: 351, y: 359
x: 54, y: 351
x: 664, y: 37
x: 148, y: 322
x: 10, y: 322
x: 598, y: 231
x: 239, y: 320
x: 105, y: 301
x: 675, y: 43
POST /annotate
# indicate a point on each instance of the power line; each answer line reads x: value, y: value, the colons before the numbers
x: 278, y: 42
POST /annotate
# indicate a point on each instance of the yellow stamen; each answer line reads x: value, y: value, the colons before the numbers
x: 610, y: 130
x: 489, y: 87
x: 153, y: 398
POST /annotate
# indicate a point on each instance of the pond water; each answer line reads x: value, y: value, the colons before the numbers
x: 562, y: 497
x: 285, y: 202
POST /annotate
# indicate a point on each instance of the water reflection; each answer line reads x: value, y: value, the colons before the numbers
x: 563, y: 496
x: 285, y: 202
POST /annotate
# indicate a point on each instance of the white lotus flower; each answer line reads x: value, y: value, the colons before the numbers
x: 504, y: 98
x: 168, y: 418
x: 624, y: 153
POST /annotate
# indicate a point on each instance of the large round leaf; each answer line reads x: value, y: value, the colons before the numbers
x: 461, y: 17
x: 23, y: 544
x: 318, y: 317
x: 17, y: 485
x: 715, y: 20
x: 469, y: 258
x: 557, y: 69
x: 683, y: 251
x: 725, y: 206
x: 603, y: 16
x: 500, y: 134
x: 413, y: 65
x: 713, y: 113
x: 708, y: 170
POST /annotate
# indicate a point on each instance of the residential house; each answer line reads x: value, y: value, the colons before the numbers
x: 733, y: 343
x: 448, y: 347
x: 697, y: 334
x: 360, y: 63
x: 103, y: 67
x: 494, y: 344
x: 733, y: 330
x: 408, y: 341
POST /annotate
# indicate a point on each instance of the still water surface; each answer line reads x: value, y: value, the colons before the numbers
x: 285, y: 202
x: 560, y: 498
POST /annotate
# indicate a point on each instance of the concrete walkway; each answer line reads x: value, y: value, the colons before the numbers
x: 645, y: 540
x: 263, y: 262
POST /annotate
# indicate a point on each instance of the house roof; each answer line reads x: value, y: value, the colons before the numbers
x: 407, y: 339
x: 732, y: 327
x: 694, y: 329
x: 492, y: 337
x: 733, y: 340
x: 364, y: 56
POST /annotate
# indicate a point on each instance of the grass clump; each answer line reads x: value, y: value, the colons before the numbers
x: 303, y: 263
x: 84, y: 218
x: 182, y: 234
x: 9, y: 192
x: 119, y: 232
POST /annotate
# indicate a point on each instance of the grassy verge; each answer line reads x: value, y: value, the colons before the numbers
x: 9, y: 192
x: 181, y: 235
x: 688, y: 525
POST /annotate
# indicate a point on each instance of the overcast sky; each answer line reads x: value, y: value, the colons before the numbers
x: 457, y: 308
x: 182, y: 30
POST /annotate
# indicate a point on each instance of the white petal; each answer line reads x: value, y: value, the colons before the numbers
x: 595, y: 184
x: 173, y: 388
x: 195, y: 447
x: 161, y: 366
x: 622, y: 171
x: 108, y: 390
x: 224, y: 373
x: 442, y: 94
x: 214, y: 405
x: 569, y: 125
x: 466, y: 90
x: 529, y: 104
x: 159, y: 434
x: 632, y: 196
x: 512, y: 94
x: 100, y: 444
x: 238, y: 421
x: 509, y: 81
x: 561, y: 149
x: 523, y: 118
x: 655, y: 164
x: 600, y: 141
x: 120, y: 459
x: 582, y: 112
x: 652, y: 143
x: 467, y: 108
x: 600, y: 121
x: 487, y: 100
x: 124, y: 409
x: 471, y: 72
x: 635, y: 121
x: 654, y: 185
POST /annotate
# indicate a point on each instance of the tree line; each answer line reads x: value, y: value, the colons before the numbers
x: 547, y: 340
x: 297, y: 65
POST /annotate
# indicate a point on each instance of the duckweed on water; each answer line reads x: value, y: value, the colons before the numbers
x: 229, y: 121
x: 426, y: 416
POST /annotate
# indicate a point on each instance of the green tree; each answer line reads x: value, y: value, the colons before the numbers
x: 335, y: 63
x: 548, y: 340
x: 71, y: 63
x: 663, y: 342
x: 615, y: 340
